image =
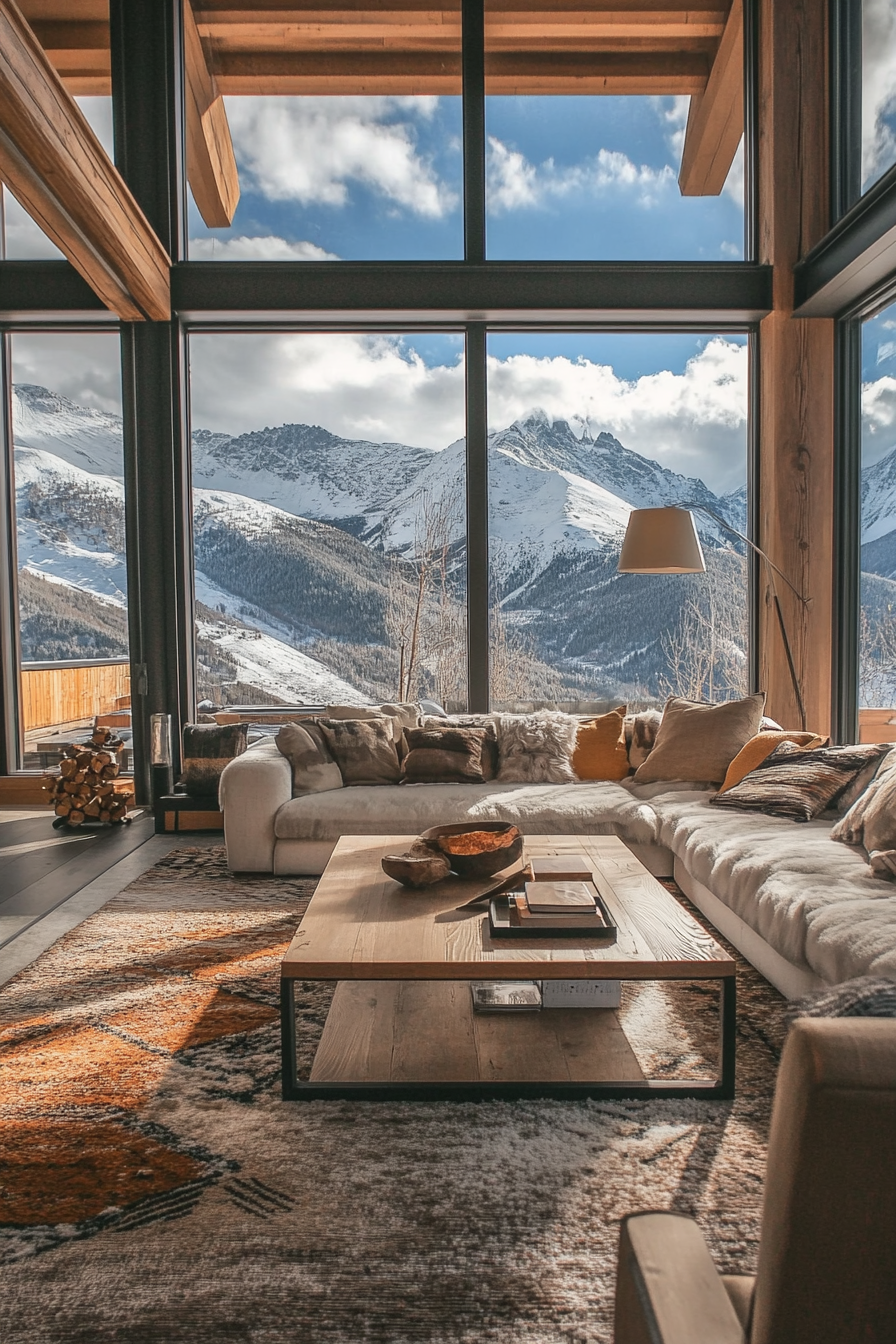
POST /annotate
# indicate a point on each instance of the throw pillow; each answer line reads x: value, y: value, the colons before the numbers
x: 313, y: 768
x: 207, y: 749
x: 536, y: 748
x: 640, y: 735
x: 400, y: 716
x: 866, y: 996
x: 762, y: 746
x: 797, y: 783
x: 600, y: 747
x: 449, y: 756
x: 698, y: 742
x: 364, y: 750
x: 876, y: 801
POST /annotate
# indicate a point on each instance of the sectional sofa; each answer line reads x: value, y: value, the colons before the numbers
x: 804, y: 909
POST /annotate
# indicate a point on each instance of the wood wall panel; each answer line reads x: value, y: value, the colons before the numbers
x: 796, y: 359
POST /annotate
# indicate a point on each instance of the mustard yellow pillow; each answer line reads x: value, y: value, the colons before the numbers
x: 600, y: 747
x: 759, y: 748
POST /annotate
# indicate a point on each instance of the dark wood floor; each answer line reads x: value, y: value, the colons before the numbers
x: 40, y: 867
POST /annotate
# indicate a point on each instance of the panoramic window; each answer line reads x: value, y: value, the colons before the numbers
x: 329, y: 518
x: 877, y: 634
x: 346, y: 132
x: 582, y: 429
x: 70, y: 537
x: 606, y: 141
x: 878, y: 89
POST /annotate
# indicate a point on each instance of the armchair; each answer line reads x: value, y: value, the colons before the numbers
x: 827, y: 1257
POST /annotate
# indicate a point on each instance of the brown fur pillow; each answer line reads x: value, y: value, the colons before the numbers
x: 364, y: 750
x: 450, y: 756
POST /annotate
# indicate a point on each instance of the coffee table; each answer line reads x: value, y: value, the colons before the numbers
x: 401, y: 1023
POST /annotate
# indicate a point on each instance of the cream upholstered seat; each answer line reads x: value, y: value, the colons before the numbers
x: 827, y: 1255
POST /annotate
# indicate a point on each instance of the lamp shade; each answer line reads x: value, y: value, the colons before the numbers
x: 661, y: 541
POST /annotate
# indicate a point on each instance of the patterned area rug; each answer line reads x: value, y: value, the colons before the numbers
x: 154, y: 1188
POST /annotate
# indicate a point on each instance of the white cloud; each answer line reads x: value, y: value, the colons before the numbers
x: 311, y: 149
x: 25, y: 240
x: 673, y: 112
x: 731, y: 250
x: 878, y: 419
x: 734, y: 182
x: 267, y: 248
x: 376, y: 387
x: 878, y: 88
x: 514, y: 183
x: 84, y: 366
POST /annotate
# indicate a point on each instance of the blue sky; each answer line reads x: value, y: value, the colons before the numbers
x: 571, y: 178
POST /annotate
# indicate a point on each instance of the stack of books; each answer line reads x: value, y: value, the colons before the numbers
x: 560, y: 908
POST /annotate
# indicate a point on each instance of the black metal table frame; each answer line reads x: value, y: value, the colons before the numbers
x: 722, y: 1089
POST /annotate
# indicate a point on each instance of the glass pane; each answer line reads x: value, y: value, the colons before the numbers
x: 25, y: 240
x: 329, y: 518
x: 590, y: 151
x: 583, y: 428
x: 878, y: 89
x: 69, y: 481
x: 347, y: 133
x: 877, y: 641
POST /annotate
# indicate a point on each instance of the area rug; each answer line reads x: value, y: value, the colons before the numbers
x: 155, y: 1189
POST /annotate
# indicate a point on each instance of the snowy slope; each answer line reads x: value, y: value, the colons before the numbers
x: 81, y: 436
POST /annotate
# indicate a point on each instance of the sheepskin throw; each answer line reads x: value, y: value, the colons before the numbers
x: 698, y: 742
x: 313, y: 767
x: 450, y: 755
x: 536, y: 748
x: 866, y: 996
x: 364, y: 750
x: 796, y: 783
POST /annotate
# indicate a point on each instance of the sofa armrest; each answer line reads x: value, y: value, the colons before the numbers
x: 253, y: 788
x: 667, y: 1288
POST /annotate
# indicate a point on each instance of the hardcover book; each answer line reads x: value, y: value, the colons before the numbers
x: 505, y: 996
x: 562, y: 868
x: 560, y: 898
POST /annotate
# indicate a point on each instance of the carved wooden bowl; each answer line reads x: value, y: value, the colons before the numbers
x: 479, y: 848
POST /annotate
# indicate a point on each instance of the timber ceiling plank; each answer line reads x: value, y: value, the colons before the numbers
x: 57, y: 169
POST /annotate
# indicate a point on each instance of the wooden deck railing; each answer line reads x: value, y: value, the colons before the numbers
x: 60, y: 693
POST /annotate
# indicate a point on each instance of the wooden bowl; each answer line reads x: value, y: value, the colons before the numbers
x: 487, y: 861
x: 420, y: 866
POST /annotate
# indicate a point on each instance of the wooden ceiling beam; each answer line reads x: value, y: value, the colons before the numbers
x: 386, y: 72
x: 211, y: 164
x: 716, y: 117
x: 57, y: 169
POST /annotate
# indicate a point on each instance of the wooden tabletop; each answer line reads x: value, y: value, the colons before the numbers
x: 362, y: 925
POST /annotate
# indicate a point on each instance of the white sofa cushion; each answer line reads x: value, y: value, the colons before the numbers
x: 598, y: 808
x: 854, y: 937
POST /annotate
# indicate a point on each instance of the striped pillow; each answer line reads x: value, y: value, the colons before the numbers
x: 798, y: 784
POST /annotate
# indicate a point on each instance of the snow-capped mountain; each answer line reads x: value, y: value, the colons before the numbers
x: 306, y: 545
x: 307, y: 470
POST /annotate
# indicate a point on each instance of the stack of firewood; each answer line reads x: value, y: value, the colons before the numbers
x: 84, y: 789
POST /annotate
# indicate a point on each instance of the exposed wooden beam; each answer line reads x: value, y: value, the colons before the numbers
x: 716, y: 117
x: 54, y: 165
x: 635, y: 72
x: 211, y: 165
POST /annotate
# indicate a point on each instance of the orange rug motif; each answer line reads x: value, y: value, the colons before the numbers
x: 155, y: 1189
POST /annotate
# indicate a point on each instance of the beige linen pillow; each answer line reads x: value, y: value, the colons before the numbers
x: 364, y: 749
x: 850, y: 829
x: 313, y: 768
x: 698, y: 742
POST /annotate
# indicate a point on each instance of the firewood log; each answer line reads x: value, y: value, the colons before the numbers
x: 101, y: 758
x: 92, y: 809
x: 110, y: 771
x: 75, y: 817
x: 63, y: 806
x: 67, y: 768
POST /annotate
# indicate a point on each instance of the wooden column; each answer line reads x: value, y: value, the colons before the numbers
x: 796, y: 360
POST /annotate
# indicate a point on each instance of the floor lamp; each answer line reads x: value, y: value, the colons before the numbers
x: 665, y: 541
